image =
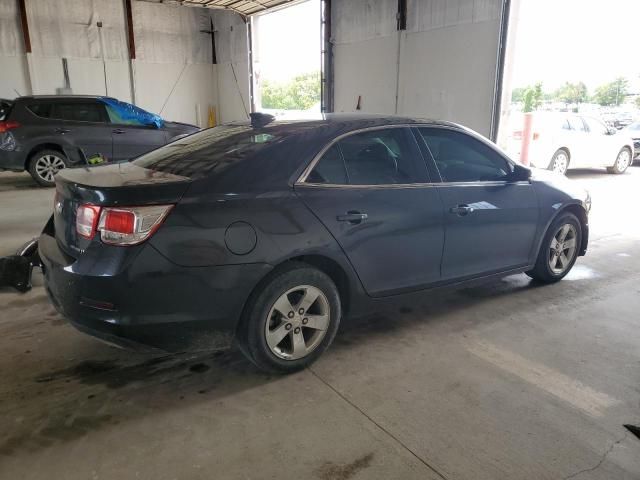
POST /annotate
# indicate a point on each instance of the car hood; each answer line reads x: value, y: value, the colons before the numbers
x: 562, y: 183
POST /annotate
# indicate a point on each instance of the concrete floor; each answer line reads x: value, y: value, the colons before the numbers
x: 505, y: 381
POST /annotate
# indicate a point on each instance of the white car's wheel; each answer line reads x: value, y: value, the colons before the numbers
x: 559, y: 162
x: 623, y: 160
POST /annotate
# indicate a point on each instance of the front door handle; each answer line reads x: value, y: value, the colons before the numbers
x: 461, y: 210
x: 352, y: 217
x: 118, y: 131
x: 62, y: 130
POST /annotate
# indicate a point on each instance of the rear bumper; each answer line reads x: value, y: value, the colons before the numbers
x: 144, y: 300
x: 12, y: 160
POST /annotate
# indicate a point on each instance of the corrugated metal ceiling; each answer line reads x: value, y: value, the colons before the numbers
x: 243, y: 7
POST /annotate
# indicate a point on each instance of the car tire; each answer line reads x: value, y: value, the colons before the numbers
x: 282, y: 341
x: 623, y: 160
x: 44, y: 164
x: 559, y: 162
x: 557, y: 253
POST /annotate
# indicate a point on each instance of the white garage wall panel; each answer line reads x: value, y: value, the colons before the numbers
x: 233, y: 66
x: 443, y: 66
x: 13, y: 64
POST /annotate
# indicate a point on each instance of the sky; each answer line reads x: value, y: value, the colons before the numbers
x: 289, y: 41
x: 593, y: 41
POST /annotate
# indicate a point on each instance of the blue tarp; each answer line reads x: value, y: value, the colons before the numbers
x: 128, y: 113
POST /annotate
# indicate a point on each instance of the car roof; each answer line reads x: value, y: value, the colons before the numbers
x: 60, y: 97
x: 346, y: 121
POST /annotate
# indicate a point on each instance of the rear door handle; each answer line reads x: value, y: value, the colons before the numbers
x: 352, y: 217
x: 461, y: 210
x: 118, y: 131
x: 62, y: 130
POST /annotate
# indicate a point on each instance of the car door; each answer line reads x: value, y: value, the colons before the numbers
x: 577, y: 139
x: 490, y: 220
x: 370, y: 189
x: 84, y: 123
x: 603, y: 147
x: 131, y: 137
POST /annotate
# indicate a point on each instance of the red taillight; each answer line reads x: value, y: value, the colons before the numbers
x: 86, y: 220
x: 6, y: 126
x: 119, y: 221
x: 131, y: 225
x: 536, y: 135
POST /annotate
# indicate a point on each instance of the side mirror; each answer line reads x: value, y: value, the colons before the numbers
x: 611, y: 131
x: 520, y: 174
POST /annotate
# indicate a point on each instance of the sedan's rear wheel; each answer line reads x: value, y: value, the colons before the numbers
x: 623, y: 160
x: 559, y: 249
x: 291, y: 320
x: 559, y: 162
x: 45, y: 164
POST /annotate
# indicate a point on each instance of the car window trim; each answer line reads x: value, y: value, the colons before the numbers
x: 301, y: 181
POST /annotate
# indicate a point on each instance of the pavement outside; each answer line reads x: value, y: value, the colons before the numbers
x: 505, y: 381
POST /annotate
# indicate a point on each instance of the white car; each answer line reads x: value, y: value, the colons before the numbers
x: 563, y: 141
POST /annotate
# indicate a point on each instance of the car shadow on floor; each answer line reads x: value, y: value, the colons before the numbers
x: 108, y: 387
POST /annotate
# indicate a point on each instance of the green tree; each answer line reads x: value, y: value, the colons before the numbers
x: 517, y: 94
x: 532, y: 98
x: 612, y: 93
x: 638, y: 101
x: 572, y: 93
x: 302, y: 93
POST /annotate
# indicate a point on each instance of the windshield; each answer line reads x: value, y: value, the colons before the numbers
x: 204, y: 152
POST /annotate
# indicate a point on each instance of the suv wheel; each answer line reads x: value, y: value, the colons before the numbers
x: 623, y: 160
x: 559, y: 249
x: 291, y: 320
x: 45, y: 164
x: 559, y: 162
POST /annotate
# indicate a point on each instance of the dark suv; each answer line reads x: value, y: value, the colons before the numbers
x: 43, y: 134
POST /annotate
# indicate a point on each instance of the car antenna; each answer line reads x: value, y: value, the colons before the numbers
x: 259, y: 119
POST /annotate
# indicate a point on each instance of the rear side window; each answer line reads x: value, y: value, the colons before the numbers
x: 80, y: 112
x: 377, y: 157
x: 462, y: 158
x: 41, y: 109
x: 5, y: 109
x: 208, y: 151
x: 576, y: 124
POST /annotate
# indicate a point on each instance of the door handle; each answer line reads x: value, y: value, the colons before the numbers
x: 352, y: 217
x: 461, y: 210
x: 118, y: 131
x: 62, y: 130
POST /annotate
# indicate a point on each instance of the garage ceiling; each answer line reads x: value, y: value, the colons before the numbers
x: 243, y: 7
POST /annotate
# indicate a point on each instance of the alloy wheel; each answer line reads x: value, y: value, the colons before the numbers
x: 563, y: 248
x: 297, y: 322
x: 623, y: 160
x: 561, y: 163
x: 47, y: 166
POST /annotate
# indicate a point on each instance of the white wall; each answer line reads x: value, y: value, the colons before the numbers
x: 172, y: 74
x: 443, y: 66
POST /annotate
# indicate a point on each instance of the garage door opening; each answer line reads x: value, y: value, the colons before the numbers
x: 286, y: 60
x: 572, y: 85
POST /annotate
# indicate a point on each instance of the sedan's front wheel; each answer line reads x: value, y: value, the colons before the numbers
x: 559, y: 249
x: 291, y: 320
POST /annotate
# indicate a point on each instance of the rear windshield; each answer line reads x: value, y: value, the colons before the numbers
x: 209, y: 151
x: 5, y: 108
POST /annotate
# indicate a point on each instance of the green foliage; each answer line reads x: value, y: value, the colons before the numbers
x: 637, y: 101
x: 572, y: 93
x: 517, y: 94
x: 612, y: 93
x: 532, y: 98
x: 302, y: 93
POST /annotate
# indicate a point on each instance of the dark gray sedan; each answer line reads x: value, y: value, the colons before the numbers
x: 268, y: 233
x: 44, y: 134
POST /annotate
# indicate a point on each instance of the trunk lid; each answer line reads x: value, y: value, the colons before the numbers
x: 121, y: 184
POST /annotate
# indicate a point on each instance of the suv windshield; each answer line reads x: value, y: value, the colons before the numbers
x: 204, y: 152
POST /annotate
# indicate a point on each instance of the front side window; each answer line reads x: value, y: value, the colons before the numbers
x: 461, y: 158
x: 596, y: 126
x: 80, y: 112
x: 41, y: 109
x: 377, y: 157
x: 576, y: 124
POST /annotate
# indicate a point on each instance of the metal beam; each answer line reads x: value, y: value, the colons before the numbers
x: 130, y: 37
x: 326, y: 77
x: 500, y: 66
x: 25, y: 26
